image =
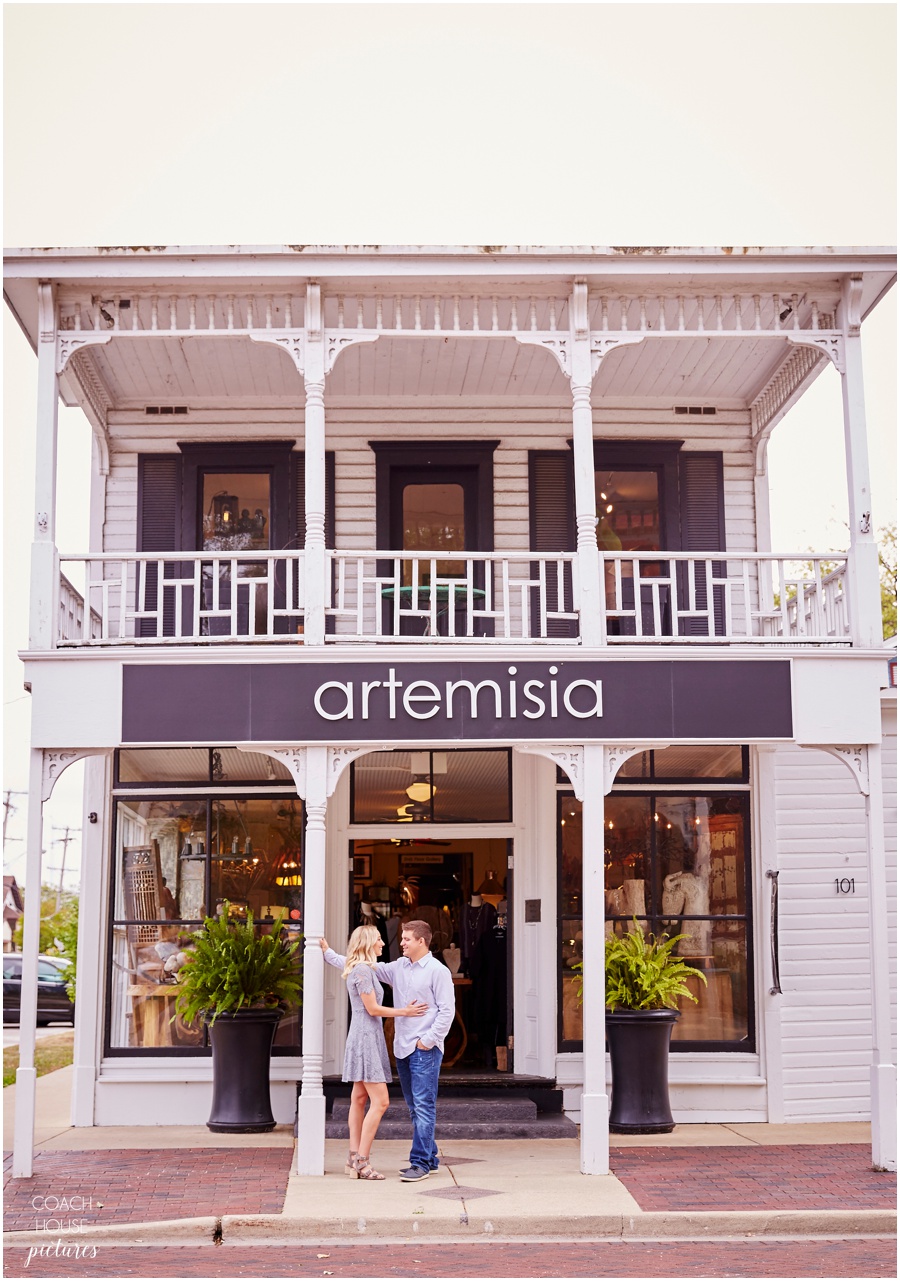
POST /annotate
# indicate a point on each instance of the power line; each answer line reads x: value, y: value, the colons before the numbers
x: 64, y: 842
x: 8, y: 810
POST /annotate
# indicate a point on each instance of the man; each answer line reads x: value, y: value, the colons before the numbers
x: 418, y: 1042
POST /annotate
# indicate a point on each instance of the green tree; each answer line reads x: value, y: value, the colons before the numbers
x: 887, y: 564
x: 52, y: 921
x: 67, y: 941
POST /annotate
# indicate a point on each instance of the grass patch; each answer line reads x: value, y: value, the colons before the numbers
x: 50, y: 1053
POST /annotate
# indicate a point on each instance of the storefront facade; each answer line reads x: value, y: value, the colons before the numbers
x: 498, y: 641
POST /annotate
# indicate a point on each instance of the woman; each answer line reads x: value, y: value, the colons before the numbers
x: 366, y: 1061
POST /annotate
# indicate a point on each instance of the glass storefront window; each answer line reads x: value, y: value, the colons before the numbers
x: 164, y: 766
x: 680, y: 763
x: 679, y: 864
x: 432, y: 787
x: 177, y: 861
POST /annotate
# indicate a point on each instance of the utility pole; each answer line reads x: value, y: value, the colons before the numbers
x: 64, y: 842
x: 8, y: 810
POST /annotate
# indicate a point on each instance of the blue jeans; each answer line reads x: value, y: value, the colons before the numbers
x: 419, y: 1082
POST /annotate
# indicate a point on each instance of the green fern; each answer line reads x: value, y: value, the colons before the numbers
x: 233, y: 968
x: 642, y: 973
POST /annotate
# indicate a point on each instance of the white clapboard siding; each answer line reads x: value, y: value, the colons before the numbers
x: 889, y: 763
x: 826, y: 1016
x: 349, y: 433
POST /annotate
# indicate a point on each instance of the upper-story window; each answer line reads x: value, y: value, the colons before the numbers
x: 235, y: 513
x: 629, y: 515
x: 651, y: 495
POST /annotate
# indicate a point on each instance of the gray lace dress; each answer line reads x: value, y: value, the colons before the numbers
x: 366, y: 1056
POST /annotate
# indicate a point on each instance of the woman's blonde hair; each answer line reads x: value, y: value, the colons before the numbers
x: 362, y: 948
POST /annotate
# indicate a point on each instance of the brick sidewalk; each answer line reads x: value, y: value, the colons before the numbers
x: 835, y: 1176
x: 146, y: 1186
x: 139, y: 1186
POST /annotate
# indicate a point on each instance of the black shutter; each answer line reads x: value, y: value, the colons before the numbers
x: 298, y: 498
x: 551, y: 503
x: 159, y: 527
x: 298, y: 495
x: 702, y: 496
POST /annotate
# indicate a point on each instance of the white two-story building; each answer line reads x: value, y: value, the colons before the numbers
x: 438, y: 582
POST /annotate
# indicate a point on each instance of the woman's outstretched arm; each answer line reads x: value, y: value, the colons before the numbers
x: 413, y: 1010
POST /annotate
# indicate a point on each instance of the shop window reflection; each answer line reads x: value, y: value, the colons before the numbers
x: 679, y: 865
x: 177, y: 862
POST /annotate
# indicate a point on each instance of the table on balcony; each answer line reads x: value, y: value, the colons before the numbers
x: 441, y: 592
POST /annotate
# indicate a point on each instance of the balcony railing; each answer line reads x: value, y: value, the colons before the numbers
x: 711, y: 598
x: 175, y: 598
x: 439, y: 598
x: 488, y: 597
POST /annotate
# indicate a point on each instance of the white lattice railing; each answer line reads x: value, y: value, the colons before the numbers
x: 453, y: 596
x: 687, y: 597
x: 177, y: 597
x: 71, y: 614
x: 471, y: 597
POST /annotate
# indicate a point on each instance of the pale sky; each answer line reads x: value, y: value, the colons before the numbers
x: 542, y: 124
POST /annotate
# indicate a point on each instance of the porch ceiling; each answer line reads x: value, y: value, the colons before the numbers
x: 215, y: 371
x: 200, y: 372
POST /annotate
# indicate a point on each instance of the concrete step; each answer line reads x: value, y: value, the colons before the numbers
x: 543, y: 1126
x: 489, y: 1110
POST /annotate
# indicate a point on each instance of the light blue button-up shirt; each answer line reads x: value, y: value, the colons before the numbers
x: 424, y: 980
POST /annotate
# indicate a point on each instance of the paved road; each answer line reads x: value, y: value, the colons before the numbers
x: 11, y: 1032
x: 859, y: 1258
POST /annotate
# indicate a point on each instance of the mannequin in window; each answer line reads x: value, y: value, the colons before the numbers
x: 367, y: 915
x: 477, y: 918
x: 685, y: 894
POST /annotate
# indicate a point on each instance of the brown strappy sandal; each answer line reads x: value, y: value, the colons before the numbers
x: 350, y: 1166
x: 365, y: 1171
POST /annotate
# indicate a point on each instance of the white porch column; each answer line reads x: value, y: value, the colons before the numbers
x: 594, y: 1101
x: 589, y: 601
x: 93, y: 897
x: 865, y: 594
x: 314, y: 445
x: 883, y: 1072
x: 44, y: 555
x: 311, y: 1104
x: 26, y: 1076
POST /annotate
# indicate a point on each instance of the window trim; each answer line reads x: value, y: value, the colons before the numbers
x: 272, y: 456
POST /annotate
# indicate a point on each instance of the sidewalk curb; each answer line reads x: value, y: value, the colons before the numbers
x: 262, y: 1229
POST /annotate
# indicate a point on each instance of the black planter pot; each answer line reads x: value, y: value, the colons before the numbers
x: 639, y: 1051
x: 241, y: 1051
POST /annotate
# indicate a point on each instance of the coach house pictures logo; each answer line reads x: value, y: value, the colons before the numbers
x: 61, y: 1215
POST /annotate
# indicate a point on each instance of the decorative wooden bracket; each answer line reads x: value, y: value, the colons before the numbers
x: 292, y: 757
x: 602, y: 344
x: 828, y: 341
x: 855, y: 758
x: 338, y: 760
x: 570, y: 760
x: 68, y: 343
x: 293, y: 342
x: 556, y: 344
x: 339, y: 340
x: 54, y: 763
x: 614, y: 758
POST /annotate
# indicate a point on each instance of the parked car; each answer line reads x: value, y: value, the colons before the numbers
x: 53, y: 1006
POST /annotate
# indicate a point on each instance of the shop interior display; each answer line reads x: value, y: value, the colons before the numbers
x: 459, y: 889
